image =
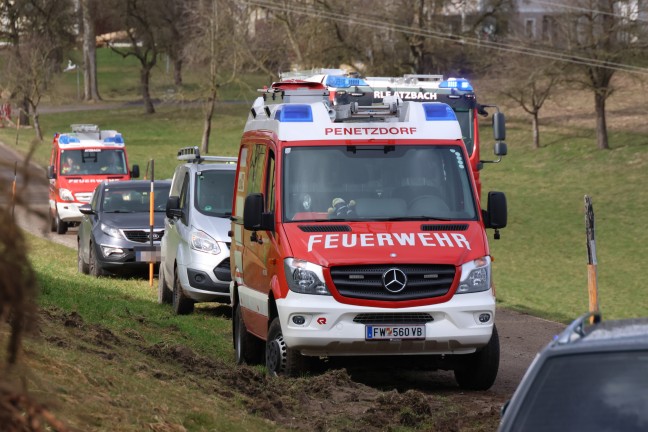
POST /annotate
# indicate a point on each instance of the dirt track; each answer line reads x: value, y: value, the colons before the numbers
x: 521, y: 336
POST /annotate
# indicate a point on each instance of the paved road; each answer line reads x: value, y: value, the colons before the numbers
x: 521, y: 336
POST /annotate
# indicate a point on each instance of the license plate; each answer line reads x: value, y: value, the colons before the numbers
x: 391, y: 332
x: 146, y: 254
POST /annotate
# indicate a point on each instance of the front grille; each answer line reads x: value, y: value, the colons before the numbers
x: 393, y: 318
x: 142, y: 236
x: 222, y: 271
x: 366, y: 282
x: 444, y: 227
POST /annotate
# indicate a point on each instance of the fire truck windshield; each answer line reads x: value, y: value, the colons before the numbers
x: 92, y: 162
x: 370, y: 182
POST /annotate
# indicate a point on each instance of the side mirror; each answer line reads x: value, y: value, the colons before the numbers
x: 86, y: 209
x: 173, y: 209
x: 135, y: 171
x: 500, y: 149
x: 50, y: 172
x: 497, y: 214
x: 254, y: 219
x: 499, y: 126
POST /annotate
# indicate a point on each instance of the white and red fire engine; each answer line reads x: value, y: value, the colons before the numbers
x: 357, y: 231
x: 79, y: 161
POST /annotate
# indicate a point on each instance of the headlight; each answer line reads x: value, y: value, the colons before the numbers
x: 111, y: 231
x: 304, y: 277
x: 475, y: 276
x: 66, y: 195
x: 204, y: 243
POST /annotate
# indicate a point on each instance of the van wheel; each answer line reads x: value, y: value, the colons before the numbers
x: 248, y: 348
x: 94, y: 266
x: 51, y: 220
x: 182, y: 305
x: 280, y: 359
x: 82, y: 266
x: 478, y: 370
x: 61, y: 227
x: 164, y: 293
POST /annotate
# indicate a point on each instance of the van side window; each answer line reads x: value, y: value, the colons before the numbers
x: 256, y: 168
x: 270, y: 183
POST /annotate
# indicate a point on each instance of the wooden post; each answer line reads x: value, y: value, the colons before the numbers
x: 592, y: 286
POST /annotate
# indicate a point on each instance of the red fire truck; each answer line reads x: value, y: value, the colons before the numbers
x: 357, y: 231
x: 79, y: 161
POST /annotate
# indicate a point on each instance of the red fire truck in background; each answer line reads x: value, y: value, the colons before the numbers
x: 458, y: 93
x: 79, y: 161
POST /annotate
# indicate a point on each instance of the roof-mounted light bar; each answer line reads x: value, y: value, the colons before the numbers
x: 294, y: 114
x: 456, y: 83
x: 192, y: 154
x: 81, y: 128
x: 437, y: 111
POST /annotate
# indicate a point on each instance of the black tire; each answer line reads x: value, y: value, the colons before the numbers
x: 94, y: 266
x: 61, y: 227
x: 51, y: 220
x: 248, y: 348
x: 280, y: 359
x: 82, y: 266
x: 165, y: 296
x: 478, y: 371
x: 182, y: 305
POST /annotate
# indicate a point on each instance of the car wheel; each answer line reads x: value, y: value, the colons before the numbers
x: 164, y: 294
x: 52, y: 221
x: 61, y: 227
x: 82, y: 265
x: 248, y: 348
x: 280, y: 359
x: 182, y: 305
x: 94, y: 266
x: 478, y: 371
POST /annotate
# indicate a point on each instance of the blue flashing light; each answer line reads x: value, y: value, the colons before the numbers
x: 344, y: 82
x: 66, y: 139
x: 294, y: 114
x: 117, y: 139
x: 456, y: 83
x: 438, y: 112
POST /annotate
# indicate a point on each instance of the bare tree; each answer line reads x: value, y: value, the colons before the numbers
x: 90, y: 84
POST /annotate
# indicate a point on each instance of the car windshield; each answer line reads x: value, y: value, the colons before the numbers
x: 214, y: 192
x: 135, y: 199
x: 93, y: 162
x: 588, y: 392
x: 401, y: 182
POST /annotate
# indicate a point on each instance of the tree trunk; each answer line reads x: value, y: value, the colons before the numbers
x: 535, y: 124
x: 177, y: 72
x: 145, y: 79
x: 601, y: 125
x: 90, y: 86
x: 209, y: 114
x: 24, y: 112
x: 37, y: 128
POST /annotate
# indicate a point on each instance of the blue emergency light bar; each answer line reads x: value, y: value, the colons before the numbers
x: 294, y: 114
x: 456, y: 83
x: 438, y: 112
x: 117, y: 139
x: 344, y: 82
x: 66, y: 139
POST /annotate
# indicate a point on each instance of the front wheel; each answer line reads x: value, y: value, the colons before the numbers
x: 182, y: 305
x: 95, y: 267
x: 82, y: 266
x: 61, y: 227
x: 478, y: 371
x: 248, y: 348
x: 164, y: 294
x: 280, y: 359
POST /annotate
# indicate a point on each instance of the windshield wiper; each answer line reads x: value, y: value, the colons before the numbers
x: 414, y: 218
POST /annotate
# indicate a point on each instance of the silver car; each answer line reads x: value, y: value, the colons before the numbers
x: 195, y: 248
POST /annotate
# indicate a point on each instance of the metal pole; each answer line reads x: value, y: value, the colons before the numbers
x: 13, y: 190
x: 592, y: 285
x: 152, y: 223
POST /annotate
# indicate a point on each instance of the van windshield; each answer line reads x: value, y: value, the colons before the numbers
x: 92, y: 162
x: 392, y: 182
x: 214, y: 192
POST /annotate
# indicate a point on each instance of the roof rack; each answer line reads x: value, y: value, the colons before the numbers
x: 576, y: 329
x: 192, y: 154
x: 84, y: 128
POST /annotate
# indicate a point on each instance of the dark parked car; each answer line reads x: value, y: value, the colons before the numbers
x: 114, y: 232
x: 589, y: 378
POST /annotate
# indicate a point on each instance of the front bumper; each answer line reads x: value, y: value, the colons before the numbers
x: 69, y: 211
x: 329, y: 327
x: 206, y: 277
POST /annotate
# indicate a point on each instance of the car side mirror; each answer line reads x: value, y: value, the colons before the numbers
x: 254, y: 219
x: 86, y: 209
x: 50, y: 172
x: 499, y: 126
x: 135, y: 171
x: 173, y: 209
x: 496, y: 216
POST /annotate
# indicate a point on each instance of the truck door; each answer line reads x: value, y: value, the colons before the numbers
x: 176, y: 230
